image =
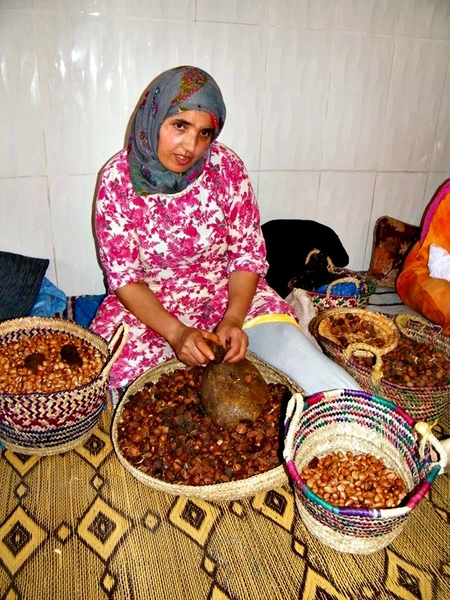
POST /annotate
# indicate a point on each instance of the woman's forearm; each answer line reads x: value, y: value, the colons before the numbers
x: 241, y: 289
x: 139, y: 299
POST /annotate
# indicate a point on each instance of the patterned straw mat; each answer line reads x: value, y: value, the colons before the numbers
x: 78, y: 526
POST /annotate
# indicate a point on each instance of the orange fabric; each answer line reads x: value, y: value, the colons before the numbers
x: 427, y: 295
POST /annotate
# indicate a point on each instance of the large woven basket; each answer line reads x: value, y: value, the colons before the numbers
x: 348, y: 420
x: 217, y: 492
x: 422, y: 403
x: 51, y: 423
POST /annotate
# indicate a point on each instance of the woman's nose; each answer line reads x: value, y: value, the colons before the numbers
x: 190, y: 141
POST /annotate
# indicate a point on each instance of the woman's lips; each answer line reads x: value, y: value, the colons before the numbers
x: 182, y: 160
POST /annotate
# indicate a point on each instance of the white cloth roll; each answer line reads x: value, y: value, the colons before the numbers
x: 285, y: 347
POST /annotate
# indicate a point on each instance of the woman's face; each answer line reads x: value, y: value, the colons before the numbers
x: 183, y: 138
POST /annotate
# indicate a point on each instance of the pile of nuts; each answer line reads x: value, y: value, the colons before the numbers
x: 354, y: 480
x: 414, y: 364
x: 48, y: 362
x: 165, y: 433
x: 350, y: 327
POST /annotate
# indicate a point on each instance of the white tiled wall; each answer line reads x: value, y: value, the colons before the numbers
x: 340, y: 109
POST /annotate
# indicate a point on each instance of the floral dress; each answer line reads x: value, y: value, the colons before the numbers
x: 184, y: 246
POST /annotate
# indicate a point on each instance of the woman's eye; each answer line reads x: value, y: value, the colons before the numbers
x: 206, y: 133
x: 179, y: 126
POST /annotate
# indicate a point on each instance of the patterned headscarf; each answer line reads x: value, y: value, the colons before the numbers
x: 176, y: 90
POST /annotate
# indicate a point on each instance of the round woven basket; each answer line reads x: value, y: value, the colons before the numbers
x: 422, y: 403
x: 348, y: 420
x: 55, y: 422
x: 327, y: 300
x: 231, y: 490
x: 384, y: 329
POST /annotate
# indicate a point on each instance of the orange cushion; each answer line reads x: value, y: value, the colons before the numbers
x: 427, y: 295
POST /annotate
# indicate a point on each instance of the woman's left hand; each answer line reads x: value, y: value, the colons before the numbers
x: 233, y: 338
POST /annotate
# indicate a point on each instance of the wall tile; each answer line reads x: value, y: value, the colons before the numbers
x: 17, y: 5
x: 344, y: 204
x: 370, y: 16
x: 288, y: 13
x: 158, y: 9
x: 88, y: 100
x: 77, y: 7
x: 146, y: 49
x: 416, y: 87
x: 219, y: 49
x: 321, y: 14
x: 428, y: 19
x: 288, y: 195
x: 360, y: 73
x: 71, y: 202
x: 25, y: 225
x: 252, y: 12
x: 398, y: 195
x: 440, y: 160
x: 22, y: 152
x: 295, y: 99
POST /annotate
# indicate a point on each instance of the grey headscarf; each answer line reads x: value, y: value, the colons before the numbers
x: 182, y: 88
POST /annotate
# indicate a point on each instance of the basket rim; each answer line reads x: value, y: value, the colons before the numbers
x: 11, y: 325
x: 346, y: 395
x: 54, y: 324
x: 229, y: 490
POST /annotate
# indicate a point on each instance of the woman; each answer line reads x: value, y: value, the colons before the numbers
x: 179, y: 238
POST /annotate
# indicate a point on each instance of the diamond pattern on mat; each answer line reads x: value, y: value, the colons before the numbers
x: 22, y: 463
x: 96, y: 448
x: 102, y: 528
x: 19, y: 538
x: 315, y: 586
x: 195, y: 517
x: 277, y: 505
x: 406, y: 580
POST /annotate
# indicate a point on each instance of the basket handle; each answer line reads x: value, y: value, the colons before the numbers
x: 294, y: 410
x: 115, y: 347
x: 362, y: 349
x: 428, y: 437
x: 402, y: 320
x: 342, y: 280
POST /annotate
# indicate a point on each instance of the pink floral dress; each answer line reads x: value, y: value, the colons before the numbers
x: 184, y: 246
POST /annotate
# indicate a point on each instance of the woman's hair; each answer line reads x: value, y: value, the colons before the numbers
x: 175, y: 90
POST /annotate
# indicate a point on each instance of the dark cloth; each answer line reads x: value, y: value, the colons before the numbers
x: 20, y: 281
x: 288, y: 243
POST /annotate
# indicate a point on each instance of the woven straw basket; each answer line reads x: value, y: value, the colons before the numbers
x: 51, y: 423
x: 231, y: 490
x: 347, y: 420
x: 422, y: 403
x: 328, y: 300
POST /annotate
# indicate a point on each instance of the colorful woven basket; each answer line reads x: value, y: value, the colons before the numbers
x: 422, y: 403
x: 231, y: 490
x: 51, y: 423
x: 363, y: 289
x: 349, y: 420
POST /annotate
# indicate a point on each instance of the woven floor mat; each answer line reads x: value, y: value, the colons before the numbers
x: 79, y: 526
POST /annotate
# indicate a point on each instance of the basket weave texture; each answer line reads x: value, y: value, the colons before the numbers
x: 327, y: 300
x: 348, y: 420
x: 51, y: 423
x: 422, y: 403
x: 231, y: 490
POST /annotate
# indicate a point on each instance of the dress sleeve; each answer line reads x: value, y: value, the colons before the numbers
x: 116, y: 209
x: 246, y: 245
